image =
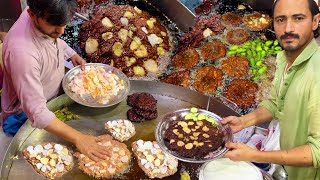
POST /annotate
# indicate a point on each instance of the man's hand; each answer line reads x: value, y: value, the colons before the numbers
x: 240, y: 152
x: 77, y: 60
x: 87, y: 145
x: 235, y: 123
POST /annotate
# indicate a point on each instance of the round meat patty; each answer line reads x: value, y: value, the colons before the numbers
x: 145, y: 101
x: 232, y: 19
x: 213, y: 50
x: 134, y: 117
x: 237, y: 36
x: 186, y: 59
x: 146, y: 114
x: 132, y: 98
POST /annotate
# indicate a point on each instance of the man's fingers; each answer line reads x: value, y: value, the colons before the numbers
x: 232, y: 145
x: 103, y: 150
x: 99, y: 155
x: 94, y: 157
x: 228, y: 119
x: 103, y: 138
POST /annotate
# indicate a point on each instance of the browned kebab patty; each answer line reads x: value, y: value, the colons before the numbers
x: 132, y: 99
x: 148, y: 115
x: 145, y: 101
x: 237, y: 36
x: 144, y: 107
x: 213, y: 50
x: 191, y: 138
x: 180, y: 78
x: 232, y: 19
x: 208, y: 79
x: 235, y: 66
x: 242, y: 92
x: 186, y: 59
x: 134, y: 117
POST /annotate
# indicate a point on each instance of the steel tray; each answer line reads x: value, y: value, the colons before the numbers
x: 92, y: 121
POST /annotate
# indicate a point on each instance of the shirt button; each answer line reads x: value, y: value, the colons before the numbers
x: 282, y: 98
x: 286, y: 84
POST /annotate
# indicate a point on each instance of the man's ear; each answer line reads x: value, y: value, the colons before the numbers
x: 315, y: 22
x: 31, y: 14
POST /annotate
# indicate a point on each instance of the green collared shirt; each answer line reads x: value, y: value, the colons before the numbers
x: 297, y: 106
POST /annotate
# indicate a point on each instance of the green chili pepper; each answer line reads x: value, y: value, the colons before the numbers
x: 258, y: 48
x: 257, y: 40
x: 263, y: 53
x: 252, y: 62
x: 240, y: 50
x: 276, y: 42
x: 243, y: 54
x: 254, y: 53
x: 262, y: 70
x: 249, y: 52
x: 233, y: 48
x: 254, y: 71
x: 271, y: 51
x: 268, y: 43
x: 266, y: 48
x: 248, y: 43
x: 231, y: 53
x: 278, y: 48
x: 246, y: 46
x: 256, y: 78
x: 259, y: 63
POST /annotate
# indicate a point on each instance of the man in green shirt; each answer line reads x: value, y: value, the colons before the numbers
x: 295, y: 95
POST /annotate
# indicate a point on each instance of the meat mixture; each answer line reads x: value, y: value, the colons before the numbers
x: 50, y: 160
x: 117, y: 163
x: 125, y: 37
x: 235, y: 66
x: 152, y: 160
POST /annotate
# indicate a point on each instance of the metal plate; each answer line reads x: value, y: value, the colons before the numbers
x: 164, y: 125
x: 92, y: 121
x: 87, y: 99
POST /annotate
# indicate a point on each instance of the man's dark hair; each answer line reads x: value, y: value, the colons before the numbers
x: 55, y: 12
x: 314, y: 9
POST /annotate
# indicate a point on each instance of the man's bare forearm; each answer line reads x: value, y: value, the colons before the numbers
x: 258, y: 116
x: 299, y: 156
x: 61, y: 129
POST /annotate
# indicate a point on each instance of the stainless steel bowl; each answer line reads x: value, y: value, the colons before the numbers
x: 163, y: 125
x: 87, y: 100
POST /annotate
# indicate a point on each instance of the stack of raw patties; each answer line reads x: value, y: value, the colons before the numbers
x: 144, y: 107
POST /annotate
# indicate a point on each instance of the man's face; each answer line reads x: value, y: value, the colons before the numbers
x: 46, y: 28
x: 293, y: 24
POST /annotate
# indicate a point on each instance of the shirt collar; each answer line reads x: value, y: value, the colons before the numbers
x: 305, y: 55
